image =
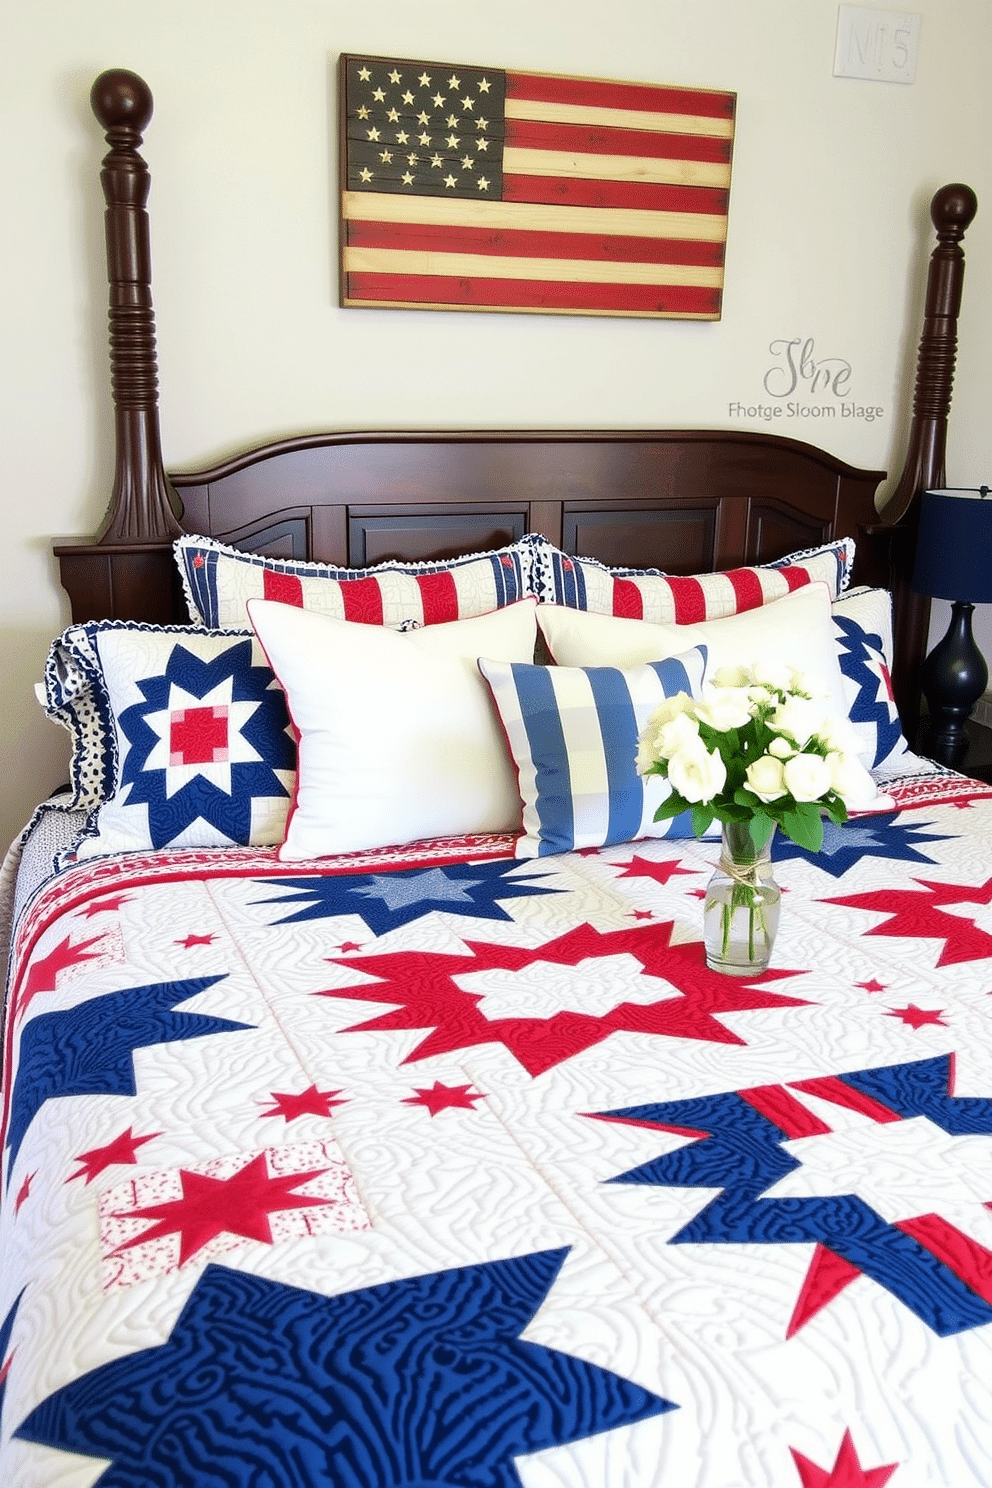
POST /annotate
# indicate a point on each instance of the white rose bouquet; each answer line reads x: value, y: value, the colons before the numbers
x: 758, y: 747
x: 758, y: 750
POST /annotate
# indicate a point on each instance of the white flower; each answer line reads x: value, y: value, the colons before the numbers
x: 668, y: 729
x: 797, y: 717
x: 839, y: 734
x: 696, y: 773
x: 806, y: 685
x: 807, y: 776
x: 646, y: 758
x: 725, y: 708
x: 774, y: 674
x: 781, y: 748
x: 675, y: 735
x: 680, y: 702
x: 766, y: 777
x: 759, y: 694
x: 731, y: 676
x: 850, y: 779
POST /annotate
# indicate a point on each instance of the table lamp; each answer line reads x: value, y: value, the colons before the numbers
x: 954, y: 562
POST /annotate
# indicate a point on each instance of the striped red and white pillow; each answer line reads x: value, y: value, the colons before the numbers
x: 670, y: 599
x: 219, y: 581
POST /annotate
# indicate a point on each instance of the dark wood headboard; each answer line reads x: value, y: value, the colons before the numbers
x: 684, y: 500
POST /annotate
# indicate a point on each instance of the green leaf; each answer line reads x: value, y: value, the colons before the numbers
x: 762, y: 827
x: 673, y: 805
x: 702, y: 816
x: 745, y: 797
x: 835, y: 809
x: 804, y: 825
x: 727, y: 811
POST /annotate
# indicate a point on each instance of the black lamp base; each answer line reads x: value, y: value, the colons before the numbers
x: 954, y: 677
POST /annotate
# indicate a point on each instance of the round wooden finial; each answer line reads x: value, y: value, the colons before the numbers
x: 122, y: 97
x: 953, y: 208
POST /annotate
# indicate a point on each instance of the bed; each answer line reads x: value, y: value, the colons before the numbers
x: 347, y: 1144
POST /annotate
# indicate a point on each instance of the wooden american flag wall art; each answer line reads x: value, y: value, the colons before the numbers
x: 470, y: 188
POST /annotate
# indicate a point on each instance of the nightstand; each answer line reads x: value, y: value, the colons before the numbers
x: 977, y: 760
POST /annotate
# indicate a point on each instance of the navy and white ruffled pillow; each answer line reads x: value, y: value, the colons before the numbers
x: 181, y: 736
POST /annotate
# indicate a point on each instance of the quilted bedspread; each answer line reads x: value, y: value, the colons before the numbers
x: 445, y: 1170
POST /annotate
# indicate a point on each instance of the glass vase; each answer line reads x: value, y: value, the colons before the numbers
x: 741, y: 909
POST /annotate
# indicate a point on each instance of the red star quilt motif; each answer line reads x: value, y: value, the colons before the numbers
x: 163, y: 1220
x: 920, y: 914
x: 846, y: 1472
x: 425, y: 987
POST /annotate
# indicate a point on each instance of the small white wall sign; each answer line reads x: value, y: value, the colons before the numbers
x: 880, y: 45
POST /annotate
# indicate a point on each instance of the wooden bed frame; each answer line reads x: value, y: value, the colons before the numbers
x: 683, y: 500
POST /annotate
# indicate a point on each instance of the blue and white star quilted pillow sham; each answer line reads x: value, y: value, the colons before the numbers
x: 181, y: 737
x: 862, y: 623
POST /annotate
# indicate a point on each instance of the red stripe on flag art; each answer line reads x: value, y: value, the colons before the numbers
x: 474, y: 188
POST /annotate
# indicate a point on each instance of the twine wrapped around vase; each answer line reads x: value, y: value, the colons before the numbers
x: 741, y: 909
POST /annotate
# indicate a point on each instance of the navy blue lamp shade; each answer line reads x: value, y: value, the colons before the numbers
x: 954, y: 546
x: 954, y: 562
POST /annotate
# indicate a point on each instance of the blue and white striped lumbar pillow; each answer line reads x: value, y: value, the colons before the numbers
x: 573, y: 734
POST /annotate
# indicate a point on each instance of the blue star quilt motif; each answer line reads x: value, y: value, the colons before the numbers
x: 386, y: 901
x: 261, y: 1382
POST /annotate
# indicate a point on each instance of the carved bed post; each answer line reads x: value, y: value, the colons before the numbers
x: 952, y: 210
x: 127, y: 571
x: 141, y: 505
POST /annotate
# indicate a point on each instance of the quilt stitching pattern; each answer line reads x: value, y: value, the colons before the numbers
x: 410, y: 1243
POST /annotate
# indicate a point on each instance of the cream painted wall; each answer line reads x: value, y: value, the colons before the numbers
x: 829, y: 232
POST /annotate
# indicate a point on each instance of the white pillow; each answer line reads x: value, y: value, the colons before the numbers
x: 398, y: 735
x: 796, y: 630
